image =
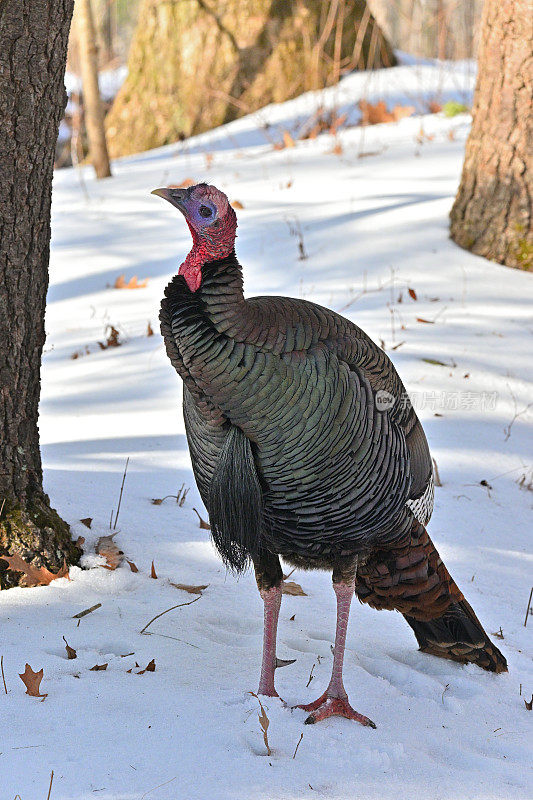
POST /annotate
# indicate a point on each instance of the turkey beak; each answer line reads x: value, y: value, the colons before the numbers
x: 175, y: 197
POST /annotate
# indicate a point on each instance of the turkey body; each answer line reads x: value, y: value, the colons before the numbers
x: 304, y: 445
x: 340, y: 455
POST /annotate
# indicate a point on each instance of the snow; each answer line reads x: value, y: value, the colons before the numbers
x: 373, y: 227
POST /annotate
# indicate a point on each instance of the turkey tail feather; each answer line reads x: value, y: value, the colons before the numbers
x: 411, y: 578
x: 458, y: 635
x: 235, y: 503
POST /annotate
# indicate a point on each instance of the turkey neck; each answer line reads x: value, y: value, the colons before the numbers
x: 199, y: 327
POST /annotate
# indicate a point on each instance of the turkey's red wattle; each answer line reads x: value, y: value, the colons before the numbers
x: 209, y: 245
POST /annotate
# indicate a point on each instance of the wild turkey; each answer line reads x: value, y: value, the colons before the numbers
x: 304, y: 445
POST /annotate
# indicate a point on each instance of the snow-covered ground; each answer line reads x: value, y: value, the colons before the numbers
x: 372, y: 219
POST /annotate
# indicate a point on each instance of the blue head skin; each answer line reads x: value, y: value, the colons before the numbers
x: 212, y: 222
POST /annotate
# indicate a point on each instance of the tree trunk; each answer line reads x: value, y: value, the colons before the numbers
x: 33, y: 36
x: 196, y: 64
x: 492, y: 214
x: 92, y: 102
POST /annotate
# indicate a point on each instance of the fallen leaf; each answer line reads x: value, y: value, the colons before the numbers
x: 203, y: 524
x: 71, y: 653
x: 412, y: 294
x: 132, y: 566
x: 427, y: 321
x: 133, y: 283
x: 149, y: 668
x: 98, y: 668
x: 264, y: 722
x: 183, y: 185
x: 87, y: 521
x: 288, y: 141
x: 80, y: 541
x: 400, y: 112
x: 106, y: 547
x: 149, y: 330
x: 529, y: 704
x: 35, y: 576
x: 292, y: 588
x: 112, y: 338
x: 291, y: 619
x: 153, y: 573
x: 32, y: 681
x: 156, y: 501
x: 434, y: 107
x: 237, y: 204
x: 188, y: 588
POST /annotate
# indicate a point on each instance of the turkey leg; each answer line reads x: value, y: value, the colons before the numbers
x: 269, y: 575
x: 334, y: 701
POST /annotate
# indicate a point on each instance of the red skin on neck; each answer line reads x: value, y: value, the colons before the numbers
x: 218, y: 244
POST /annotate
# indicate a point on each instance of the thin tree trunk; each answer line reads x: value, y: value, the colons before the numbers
x: 33, y: 36
x: 493, y: 213
x: 92, y: 102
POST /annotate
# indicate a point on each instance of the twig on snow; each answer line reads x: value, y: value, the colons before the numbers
x: 528, y: 607
x: 297, y: 746
x: 50, y: 787
x: 121, y: 490
x: 81, y: 614
x: 179, y: 605
x: 3, y: 676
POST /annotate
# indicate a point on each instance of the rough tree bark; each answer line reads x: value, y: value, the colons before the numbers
x: 33, y: 49
x: 493, y: 211
x: 196, y: 64
x: 92, y: 102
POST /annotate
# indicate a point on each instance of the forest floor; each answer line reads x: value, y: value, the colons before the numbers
x: 357, y: 222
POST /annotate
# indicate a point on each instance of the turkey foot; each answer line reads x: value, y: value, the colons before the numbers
x: 334, y: 701
x: 326, y: 707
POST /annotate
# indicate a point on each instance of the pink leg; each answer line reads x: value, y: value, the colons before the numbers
x: 272, y: 603
x: 334, y: 701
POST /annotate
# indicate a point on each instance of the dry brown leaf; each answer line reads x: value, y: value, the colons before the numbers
x: 183, y: 185
x: 87, y: 521
x: 133, y: 283
x: 529, y: 703
x: 98, y: 668
x: 237, y: 204
x: 149, y: 668
x: 203, y: 524
x: 288, y: 141
x: 156, y: 501
x: 80, y: 541
x: 153, y: 573
x: 132, y: 566
x: 400, y: 112
x: 376, y: 114
x: 426, y: 321
x: 35, y: 576
x: 412, y: 294
x: 292, y: 588
x: 191, y: 589
x: 106, y: 547
x: 32, y: 681
x: 149, y: 330
x: 434, y: 107
x: 264, y: 723
x: 71, y: 653
x: 112, y: 338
